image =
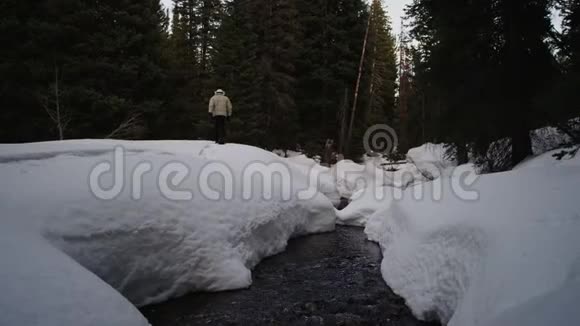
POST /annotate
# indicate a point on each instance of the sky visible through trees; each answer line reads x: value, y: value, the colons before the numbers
x: 395, y: 10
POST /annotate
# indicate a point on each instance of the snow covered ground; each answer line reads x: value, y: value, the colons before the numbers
x: 549, y: 160
x: 365, y: 203
x: 42, y: 286
x: 499, y: 249
x: 318, y: 176
x: 351, y: 177
x: 511, y: 257
x: 160, y: 235
x: 371, y: 185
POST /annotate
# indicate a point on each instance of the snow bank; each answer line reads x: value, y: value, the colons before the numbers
x: 549, y: 159
x: 87, y: 147
x: 560, y: 307
x: 430, y: 153
x: 364, y: 204
x: 347, y: 178
x: 370, y: 187
x: 352, y: 177
x: 432, y: 161
x: 150, y: 248
x: 317, y: 175
x: 494, y: 261
x: 42, y: 286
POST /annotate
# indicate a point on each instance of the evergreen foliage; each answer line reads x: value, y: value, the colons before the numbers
x: 480, y: 71
x: 132, y: 69
x: 484, y: 71
x: 107, y: 59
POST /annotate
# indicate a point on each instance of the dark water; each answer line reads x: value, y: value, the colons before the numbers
x: 328, y: 279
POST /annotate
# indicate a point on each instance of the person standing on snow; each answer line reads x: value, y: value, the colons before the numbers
x: 220, y: 110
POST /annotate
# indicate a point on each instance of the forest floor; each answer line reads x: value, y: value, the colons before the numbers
x: 327, y: 279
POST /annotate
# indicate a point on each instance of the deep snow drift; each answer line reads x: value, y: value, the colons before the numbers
x: 351, y: 177
x: 42, y: 286
x: 365, y: 203
x: 511, y: 257
x: 148, y: 246
x: 508, y: 256
x: 373, y: 185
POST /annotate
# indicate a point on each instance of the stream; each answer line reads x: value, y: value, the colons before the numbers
x: 326, y: 279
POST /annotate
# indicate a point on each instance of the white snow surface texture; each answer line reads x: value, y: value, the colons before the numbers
x: 371, y: 187
x: 512, y: 257
x: 63, y: 250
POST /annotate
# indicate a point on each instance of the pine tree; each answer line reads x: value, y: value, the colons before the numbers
x: 121, y: 68
x: 332, y: 33
x: 35, y: 45
x: 567, y: 95
x: 210, y: 13
x: 106, y: 54
x: 195, y: 24
x: 383, y: 68
x: 483, y: 68
x: 256, y: 58
x: 526, y: 64
x: 287, y: 64
x: 378, y: 73
x: 181, y: 54
x: 278, y: 71
x: 122, y: 71
x: 455, y: 67
x: 405, y: 93
x: 191, y: 55
x: 571, y: 23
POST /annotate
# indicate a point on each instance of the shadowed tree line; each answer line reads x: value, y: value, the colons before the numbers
x: 131, y: 69
x: 485, y: 70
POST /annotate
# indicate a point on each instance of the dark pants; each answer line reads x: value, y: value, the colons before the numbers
x: 220, y: 129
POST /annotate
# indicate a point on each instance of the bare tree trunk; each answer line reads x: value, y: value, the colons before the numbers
x: 343, y: 112
x: 358, y: 82
x: 59, y: 122
x: 423, y: 115
x: 373, y: 71
x: 53, y: 107
x: 205, y: 37
x: 128, y: 128
x: 521, y: 144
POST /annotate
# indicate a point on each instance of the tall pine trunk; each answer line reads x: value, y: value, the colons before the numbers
x: 357, y: 87
x: 521, y: 143
x: 59, y: 121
